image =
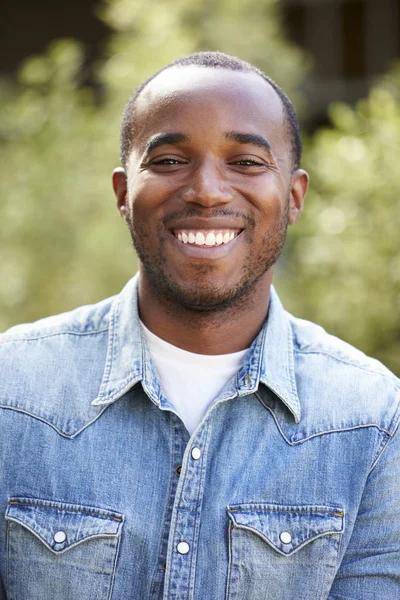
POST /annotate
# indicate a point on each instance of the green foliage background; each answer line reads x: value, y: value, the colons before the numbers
x: 62, y: 243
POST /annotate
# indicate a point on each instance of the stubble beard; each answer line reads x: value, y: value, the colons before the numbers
x: 204, y: 297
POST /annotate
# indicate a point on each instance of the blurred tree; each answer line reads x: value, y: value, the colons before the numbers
x: 342, y: 262
x: 61, y: 236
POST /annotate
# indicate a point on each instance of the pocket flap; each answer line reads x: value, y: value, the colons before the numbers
x: 287, y: 528
x: 61, y: 526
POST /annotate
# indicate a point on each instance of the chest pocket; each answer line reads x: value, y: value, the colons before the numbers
x: 58, y: 550
x: 283, y: 552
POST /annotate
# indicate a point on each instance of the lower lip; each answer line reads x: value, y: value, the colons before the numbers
x: 209, y: 252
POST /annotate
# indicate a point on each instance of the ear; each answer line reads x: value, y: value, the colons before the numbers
x: 119, y: 182
x: 298, y: 191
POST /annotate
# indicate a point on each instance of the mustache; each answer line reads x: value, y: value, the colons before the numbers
x: 210, y: 213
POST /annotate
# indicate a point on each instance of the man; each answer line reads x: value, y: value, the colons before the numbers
x: 188, y: 439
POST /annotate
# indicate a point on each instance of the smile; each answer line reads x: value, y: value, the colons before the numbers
x: 206, y: 237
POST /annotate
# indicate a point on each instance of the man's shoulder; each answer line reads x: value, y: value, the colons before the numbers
x: 311, y: 339
x: 53, y: 369
x: 341, y: 382
x: 81, y: 321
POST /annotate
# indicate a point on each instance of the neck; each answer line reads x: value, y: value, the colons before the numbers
x: 202, y: 332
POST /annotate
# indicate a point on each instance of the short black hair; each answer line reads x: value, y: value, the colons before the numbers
x: 212, y: 60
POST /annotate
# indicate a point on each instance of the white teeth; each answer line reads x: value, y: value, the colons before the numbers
x: 200, y: 239
x: 210, y: 239
x: 205, y: 239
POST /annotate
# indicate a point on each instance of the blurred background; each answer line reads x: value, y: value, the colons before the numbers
x: 66, y: 72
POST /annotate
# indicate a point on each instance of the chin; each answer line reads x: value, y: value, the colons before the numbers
x: 207, y: 297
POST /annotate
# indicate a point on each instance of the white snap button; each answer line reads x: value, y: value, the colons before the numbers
x: 285, y: 537
x: 183, y: 547
x: 60, y: 537
x: 196, y: 453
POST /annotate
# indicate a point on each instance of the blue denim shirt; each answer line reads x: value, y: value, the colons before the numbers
x: 293, y: 493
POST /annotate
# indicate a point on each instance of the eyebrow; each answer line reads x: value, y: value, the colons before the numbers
x: 161, y: 139
x: 249, y: 138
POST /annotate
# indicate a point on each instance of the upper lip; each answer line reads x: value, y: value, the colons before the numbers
x: 199, y: 223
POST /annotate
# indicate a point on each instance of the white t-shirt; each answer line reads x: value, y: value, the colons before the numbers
x: 191, y: 382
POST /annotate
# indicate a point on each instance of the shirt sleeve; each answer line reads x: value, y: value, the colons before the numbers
x: 370, y: 568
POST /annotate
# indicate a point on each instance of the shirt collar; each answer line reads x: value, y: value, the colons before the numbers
x: 269, y: 361
x: 278, y: 371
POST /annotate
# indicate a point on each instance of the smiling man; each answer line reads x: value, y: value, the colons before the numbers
x: 188, y: 439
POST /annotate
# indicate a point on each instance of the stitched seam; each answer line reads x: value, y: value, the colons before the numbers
x: 260, y: 359
x: 110, y: 347
x: 395, y: 419
x: 43, y: 420
x: 67, y: 548
x: 275, y: 419
x: 125, y: 384
x: 272, y: 544
x: 61, y: 508
x: 381, y: 448
x: 230, y: 563
x: 384, y: 444
x: 281, y: 396
x: 199, y: 503
x: 291, y: 360
x: 114, y: 568
x: 8, y: 556
x: 289, y: 510
x: 56, y: 333
x: 353, y: 428
x: 324, y: 432
x: 346, y: 362
x: 167, y: 513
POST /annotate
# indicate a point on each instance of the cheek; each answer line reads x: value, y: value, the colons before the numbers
x: 143, y: 203
x: 144, y: 190
x: 269, y: 193
x: 271, y: 211
x: 145, y: 215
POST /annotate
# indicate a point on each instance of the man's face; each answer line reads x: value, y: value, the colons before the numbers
x: 209, y: 191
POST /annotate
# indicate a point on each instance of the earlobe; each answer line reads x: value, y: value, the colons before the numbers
x: 119, y: 182
x: 298, y: 192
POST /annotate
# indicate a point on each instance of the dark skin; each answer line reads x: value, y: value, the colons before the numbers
x: 211, y: 153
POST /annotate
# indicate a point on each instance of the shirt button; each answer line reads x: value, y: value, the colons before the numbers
x: 285, y: 537
x: 196, y: 453
x: 183, y: 547
x: 60, y: 537
x: 178, y: 469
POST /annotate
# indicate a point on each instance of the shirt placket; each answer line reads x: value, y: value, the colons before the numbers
x: 179, y: 438
x: 185, y: 522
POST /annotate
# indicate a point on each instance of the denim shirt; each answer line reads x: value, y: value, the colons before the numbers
x: 289, y: 488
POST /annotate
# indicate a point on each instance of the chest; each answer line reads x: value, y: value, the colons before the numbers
x: 133, y: 507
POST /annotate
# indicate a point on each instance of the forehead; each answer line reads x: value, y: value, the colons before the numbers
x: 209, y: 100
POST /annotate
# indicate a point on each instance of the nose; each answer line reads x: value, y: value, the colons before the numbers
x: 207, y: 186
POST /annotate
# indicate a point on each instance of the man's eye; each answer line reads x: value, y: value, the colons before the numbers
x: 246, y: 162
x: 167, y: 161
